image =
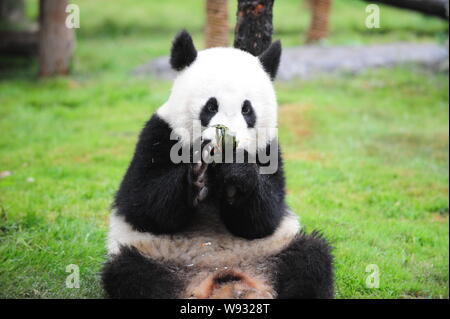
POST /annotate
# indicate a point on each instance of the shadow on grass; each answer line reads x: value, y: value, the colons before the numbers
x: 18, y: 68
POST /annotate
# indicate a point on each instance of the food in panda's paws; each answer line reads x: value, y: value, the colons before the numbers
x: 215, y: 148
x: 224, y: 137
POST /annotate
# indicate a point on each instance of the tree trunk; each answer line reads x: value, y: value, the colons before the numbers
x: 11, y: 12
x: 216, y: 31
x: 320, y: 14
x: 254, y: 27
x: 437, y: 8
x: 56, y: 41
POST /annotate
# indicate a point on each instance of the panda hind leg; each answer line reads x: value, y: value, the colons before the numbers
x: 129, y: 275
x: 304, y: 270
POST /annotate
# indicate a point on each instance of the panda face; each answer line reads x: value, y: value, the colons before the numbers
x: 221, y: 86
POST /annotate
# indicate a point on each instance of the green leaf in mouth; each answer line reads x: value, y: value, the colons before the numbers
x: 224, y: 137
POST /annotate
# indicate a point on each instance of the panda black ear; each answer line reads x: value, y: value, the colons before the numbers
x: 183, y: 51
x: 270, y: 59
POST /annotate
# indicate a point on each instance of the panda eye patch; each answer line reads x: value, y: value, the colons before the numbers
x: 208, y: 111
x: 247, y: 112
x: 212, y: 105
x: 246, y: 108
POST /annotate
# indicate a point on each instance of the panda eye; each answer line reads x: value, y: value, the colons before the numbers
x: 212, y: 105
x: 246, y: 108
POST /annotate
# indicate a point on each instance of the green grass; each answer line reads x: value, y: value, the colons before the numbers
x: 366, y: 156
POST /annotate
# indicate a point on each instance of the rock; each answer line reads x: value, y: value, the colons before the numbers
x: 158, y: 67
x: 306, y: 62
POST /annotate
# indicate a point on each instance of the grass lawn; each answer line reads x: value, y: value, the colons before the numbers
x: 366, y: 156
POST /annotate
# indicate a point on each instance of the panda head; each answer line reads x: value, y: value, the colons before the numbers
x: 222, y: 86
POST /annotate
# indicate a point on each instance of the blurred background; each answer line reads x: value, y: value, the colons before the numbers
x: 363, y: 119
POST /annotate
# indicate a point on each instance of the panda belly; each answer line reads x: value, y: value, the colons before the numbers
x: 210, y: 261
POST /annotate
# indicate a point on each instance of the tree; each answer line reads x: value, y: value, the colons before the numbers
x: 254, y: 27
x: 216, y: 31
x: 437, y: 8
x: 56, y: 41
x: 320, y: 13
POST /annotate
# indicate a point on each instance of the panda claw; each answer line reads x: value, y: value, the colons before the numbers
x: 206, y: 155
x: 202, y: 194
x: 197, y: 167
x: 200, y: 169
x: 199, y: 184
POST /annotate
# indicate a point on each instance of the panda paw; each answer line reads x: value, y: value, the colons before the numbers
x: 199, y: 182
x: 239, y: 179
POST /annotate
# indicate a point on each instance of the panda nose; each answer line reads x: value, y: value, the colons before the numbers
x: 225, y: 120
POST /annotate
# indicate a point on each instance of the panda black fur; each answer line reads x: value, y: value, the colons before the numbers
x: 168, y: 239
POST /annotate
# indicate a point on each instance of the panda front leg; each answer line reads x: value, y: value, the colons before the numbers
x: 304, y: 269
x: 128, y: 274
x: 251, y: 204
x: 157, y: 195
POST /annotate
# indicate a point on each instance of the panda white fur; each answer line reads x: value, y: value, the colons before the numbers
x: 219, y: 231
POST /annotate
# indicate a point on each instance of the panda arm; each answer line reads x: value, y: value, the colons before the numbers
x: 156, y: 195
x: 304, y: 269
x: 256, y: 208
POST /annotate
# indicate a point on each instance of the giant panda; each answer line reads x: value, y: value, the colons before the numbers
x: 212, y: 230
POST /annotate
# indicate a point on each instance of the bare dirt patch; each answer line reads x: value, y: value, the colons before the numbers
x: 439, y: 218
x: 292, y: 116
